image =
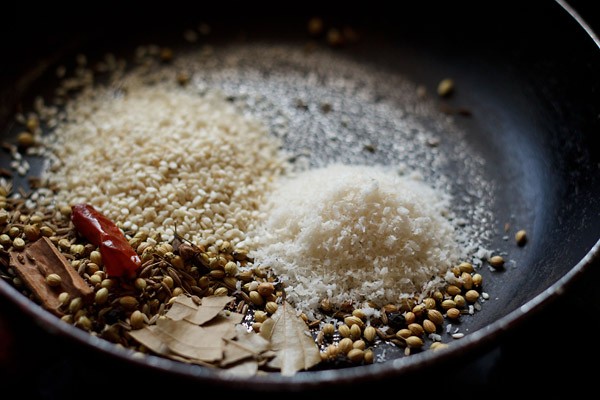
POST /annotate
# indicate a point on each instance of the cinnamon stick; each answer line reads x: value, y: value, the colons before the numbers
x: 41, y: 259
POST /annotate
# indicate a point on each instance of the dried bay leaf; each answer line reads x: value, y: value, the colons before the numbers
x: 234, y: 352
x: 150, y: 339
x: 251, y: 340
x: 292, y: 342
x: 246, y: 345
x: 183, y: 307
x: 179, y: 336
x: 244, y: 369
x: 211, y: 307
x: 191, y: 341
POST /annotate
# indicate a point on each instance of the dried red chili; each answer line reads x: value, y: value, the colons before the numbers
x: 118, y: 256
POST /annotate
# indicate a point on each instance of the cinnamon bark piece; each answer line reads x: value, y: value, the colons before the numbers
x: 41, y: 259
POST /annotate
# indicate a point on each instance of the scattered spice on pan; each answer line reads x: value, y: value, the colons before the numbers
x: 445, y: 88
x: 521, y: 237
x: 496, y: 262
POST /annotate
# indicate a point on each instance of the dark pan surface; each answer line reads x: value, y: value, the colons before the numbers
x: 527, y: 75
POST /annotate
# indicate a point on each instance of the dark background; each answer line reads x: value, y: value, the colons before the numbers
x: 40, y: 365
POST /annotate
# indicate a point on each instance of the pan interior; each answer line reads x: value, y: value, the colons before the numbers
x: 522, y: 157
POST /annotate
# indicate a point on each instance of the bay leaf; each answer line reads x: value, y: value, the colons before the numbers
x: 292, y: 342
x: 147, y: 337
x: 244, y: 369
x: 246, y: 345
x: 234, y: 352
x: 210, y: 307
x: 192, y: 341
x: 183, y: 307
x: 251, y: 340
x: 223, y: 325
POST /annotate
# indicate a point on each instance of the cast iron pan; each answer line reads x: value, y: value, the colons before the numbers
x: 528, y: 75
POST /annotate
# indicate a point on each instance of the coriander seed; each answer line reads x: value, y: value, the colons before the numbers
x: 128, y: 302
x: 18, y: 244
x: 403, y: 333
x: 265, y: 289
x: 453, y: 313
x: 84, y: 322
x: 344, y: 330
x: 352, y: 320
x: 260, y: 316
x: 136, y: 320
x: 345, y: 345
x: 496, y: 262
x: 370, y: 333
x: 77, y: 250
x: 369, y: 356
x: 31, y: 232
x: 95, y: 279
x: 429, y: 326
x: 445, y: 87
x: 221, y: 291
x: 107, y: 283
x: 416, y: 329
x: 168, y: 281
x: 355, y: 332
x: 438, y: 346
x: 64, y: 298
x: 75, y: 305
x: 435, y: 316
x: 429, y: 303
x: 101, y: 296
x: 217, y: 273
x: 332, y: 351
x: 271, y: 307
x: 410, y: 317
x: 25, y: 139
x: 453, y: 290
x: 414, y: 342
x: 465, y: 267
x: 358, y: 313
x: 140, y: 284
x: 5, y: 240
x: 46, y: 231
x: 231, y: 268
x: 477, y: 280
x: 256, y: 298
x: 467, y: 280
x: 521, y: 237
x: 53, y: 280
x: 328, y: 329
x: 359, y: 344
x: 447, y: 304
x: 418, y: 309
x: 460, y: 301
x: 356, y: 355
x: 471, y: 296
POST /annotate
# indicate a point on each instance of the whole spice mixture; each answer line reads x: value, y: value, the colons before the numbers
x: 194, y: 213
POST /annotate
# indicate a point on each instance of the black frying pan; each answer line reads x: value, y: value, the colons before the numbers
x: 527, y: 74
